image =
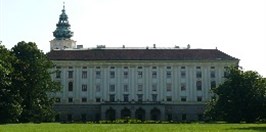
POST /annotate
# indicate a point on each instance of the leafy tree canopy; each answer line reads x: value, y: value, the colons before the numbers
x: 10, y: 107
x: 36, y: 85
x: 242, y: 97
x: 26, y: 84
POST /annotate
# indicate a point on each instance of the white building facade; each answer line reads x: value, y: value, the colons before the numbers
x: 147, y: 84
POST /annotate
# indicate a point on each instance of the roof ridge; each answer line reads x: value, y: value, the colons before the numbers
x: 140, y: 54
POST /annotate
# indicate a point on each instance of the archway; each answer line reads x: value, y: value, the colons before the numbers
x: 140, y: 114
x: 110, y: 114
x: 155, y: 114
x: 125, y: 113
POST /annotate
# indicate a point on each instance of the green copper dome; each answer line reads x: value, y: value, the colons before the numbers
x: 63, y: 27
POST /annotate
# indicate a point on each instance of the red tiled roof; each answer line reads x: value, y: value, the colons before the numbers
x: 139, y: 54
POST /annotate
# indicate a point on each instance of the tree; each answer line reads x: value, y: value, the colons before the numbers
x: 242, y: 97
x: 36, y: 85
x: 10, y: 108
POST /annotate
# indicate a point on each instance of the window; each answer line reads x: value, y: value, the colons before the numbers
x: 70, y: 100
x: 69, y: 117
x: 169, y: 117
x: 84, y: 67
x: 57, y: 100
x: 154, y: 97
x: 184, y: 117
x: 98, y: 74
x: 140, y: 97
x: 212, y: 67
x: 125, y: 74
x: 83, y: 117
x: 212, y: 74
x: 84, y: 99
x: 199, y: 98
x: 70, y: 74
x: 84, y: 87
x: 70, y: 86
x: 168, y: 98
x: 183, y: 74
x: 140, y: 87
x: 183, y: 86
x: 154, y: 74
x: 154, y: 87
x: 168, y: 87
x: 98, y: 88
x: 183, y: 67
x: 199, y: 85
x: 97, y: 67
x: 125, y: 67
x: 84, y: 74
x: 154, y: 67
x: 112, y: 98
x: 168, y: 67
x: 112, y: 88
x: 59, y: 82
x: 112, y: 67
x: 58, y: 74
x: 198, y: 67
x: 200, y: 117
x: 198, y: 74
x: 168, y: 74
x: 139, y: 74
x: 183, y: 99
x: 213, y: 84
x: 139, y: 67
x: 98, y: 99
x: 125, y: 88
x: 112, y: 74
x: 126, y: 98
x: 226, y: 72
x: 57, y: 117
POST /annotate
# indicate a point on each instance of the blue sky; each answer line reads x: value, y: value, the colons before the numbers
x: 236, y: 27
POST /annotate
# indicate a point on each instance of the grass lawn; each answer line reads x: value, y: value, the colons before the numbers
x: 57, y: 127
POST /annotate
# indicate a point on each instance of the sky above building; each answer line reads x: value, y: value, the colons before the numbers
x: 236, y: 27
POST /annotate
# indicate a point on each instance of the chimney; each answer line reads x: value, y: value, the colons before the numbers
x: 188, y: 46
x: 79, y: 46
x: 154, y: 45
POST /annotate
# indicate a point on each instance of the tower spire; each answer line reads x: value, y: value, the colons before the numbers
x: 63, y: 27
x: 64, y: 5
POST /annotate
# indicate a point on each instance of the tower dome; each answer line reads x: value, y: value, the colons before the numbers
x: 62, y: 34
x: 63, y: 27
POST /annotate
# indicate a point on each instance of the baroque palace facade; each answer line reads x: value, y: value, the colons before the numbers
x: 144, y: 83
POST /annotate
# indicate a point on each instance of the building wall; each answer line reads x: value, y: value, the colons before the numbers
x: 62, y: 44
x: 172, y: 101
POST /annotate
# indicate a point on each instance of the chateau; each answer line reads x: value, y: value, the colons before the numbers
x: 144, y: 83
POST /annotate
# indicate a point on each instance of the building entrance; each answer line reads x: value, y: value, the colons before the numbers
x: 140, y: 114
x: 155, y: 114
x: 110, y: 114
x: 125, y: 113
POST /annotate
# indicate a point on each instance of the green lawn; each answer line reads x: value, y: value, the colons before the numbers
x: 57, y: 127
